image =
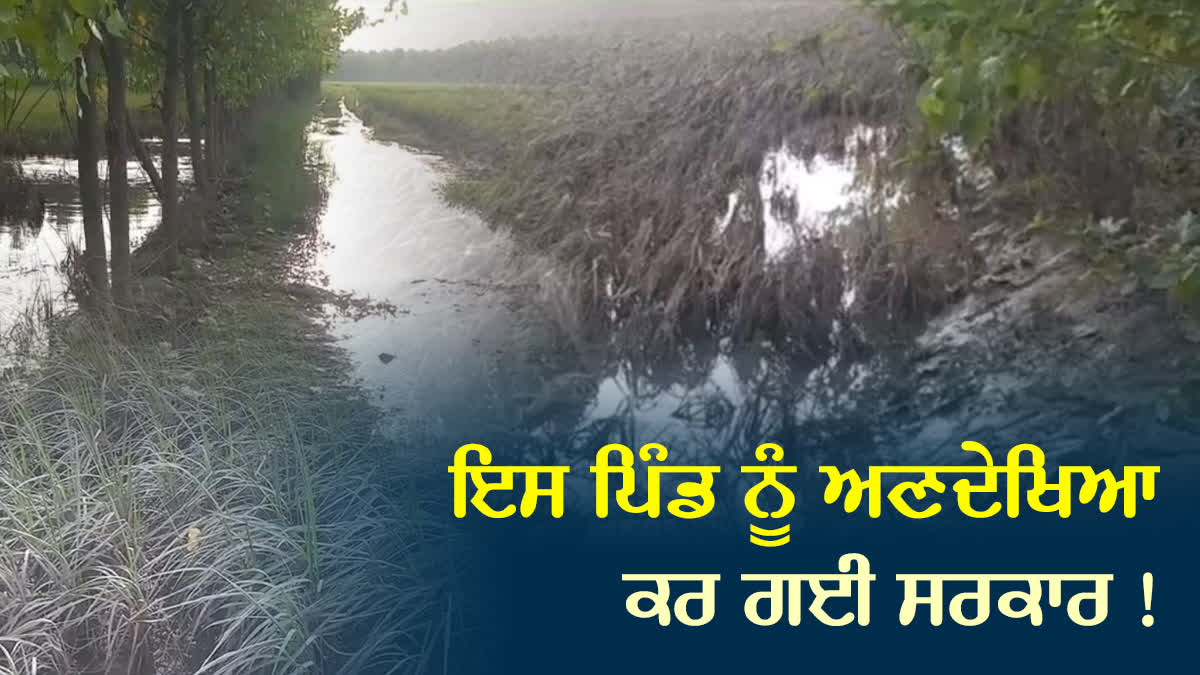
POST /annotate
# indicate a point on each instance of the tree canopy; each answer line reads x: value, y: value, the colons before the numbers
x: 984, y: 59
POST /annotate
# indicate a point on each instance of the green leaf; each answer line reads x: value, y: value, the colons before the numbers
x: 1029, y: 80
x: 115, y: 24
x: 976, y: 128
x: 88, y: 8
x: 931, y: 106
x: 65, y: 48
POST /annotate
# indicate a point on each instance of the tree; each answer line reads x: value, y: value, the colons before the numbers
x: 225, y: 56
x: 173, y: 34
x: 87, y: 90
x: 191, y: 88
x: 115, y: 46
x: 986, y: 59
x: 65, y: 36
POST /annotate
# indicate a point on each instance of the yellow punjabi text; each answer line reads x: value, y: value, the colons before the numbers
x: 533, y: 487
x: 850, y: 486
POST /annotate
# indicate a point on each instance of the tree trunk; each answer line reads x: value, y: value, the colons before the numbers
x: 144, y: 157
x: 213, y: 154
x: 118, y: 174
x: 198, y: 230
x: 170, y: 153
x: 95, y: 256
x: 191, y: 90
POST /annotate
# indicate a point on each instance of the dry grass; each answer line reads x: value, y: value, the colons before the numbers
x: 623, y: 180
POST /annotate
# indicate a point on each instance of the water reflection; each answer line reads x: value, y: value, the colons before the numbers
x: 467, y: 345
x: 388, y: 236
x: 806, y: 194
x: 40, y: 222
x: 470, y: 356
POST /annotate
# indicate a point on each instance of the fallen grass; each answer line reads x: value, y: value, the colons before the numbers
x: 39, y: 128
x: 213, y: 497
x: 622, y: 184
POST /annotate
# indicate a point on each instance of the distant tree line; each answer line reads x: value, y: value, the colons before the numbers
x: 611, y: 54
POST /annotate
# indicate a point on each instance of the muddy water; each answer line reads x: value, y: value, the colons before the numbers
x: 40, y: 223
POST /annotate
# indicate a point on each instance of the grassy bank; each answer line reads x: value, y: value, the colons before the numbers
x: 471, y: 121
x: 211, y: 496
x: 39, y: 128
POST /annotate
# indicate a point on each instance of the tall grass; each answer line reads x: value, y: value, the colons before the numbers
x: 159, y: 513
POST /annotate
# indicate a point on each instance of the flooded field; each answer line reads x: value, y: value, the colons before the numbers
x: 41, y: 224
x: 475, y: 340
x: 471, y: 339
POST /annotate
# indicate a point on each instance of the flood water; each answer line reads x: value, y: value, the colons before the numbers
x: 41, y: 222
x: 473, y: 341
x: 469, y: 341
x: 472, y: 346
x: 387, y: 236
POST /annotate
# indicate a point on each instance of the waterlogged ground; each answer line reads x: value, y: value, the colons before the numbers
x: 386, y: 235
x: 465, y: 334
x: 470, y: 342
x: 40, y: 223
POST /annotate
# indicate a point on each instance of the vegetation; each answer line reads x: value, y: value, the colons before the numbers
x: 986, y: 61
x: 621, y: 183
x: 1083, y: 114
x: 190, y: 482
x: 451, y: 117
x: 223, y: 485
x: 37, y: 126
x: 239, y: 52
x: 1088, y: 111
